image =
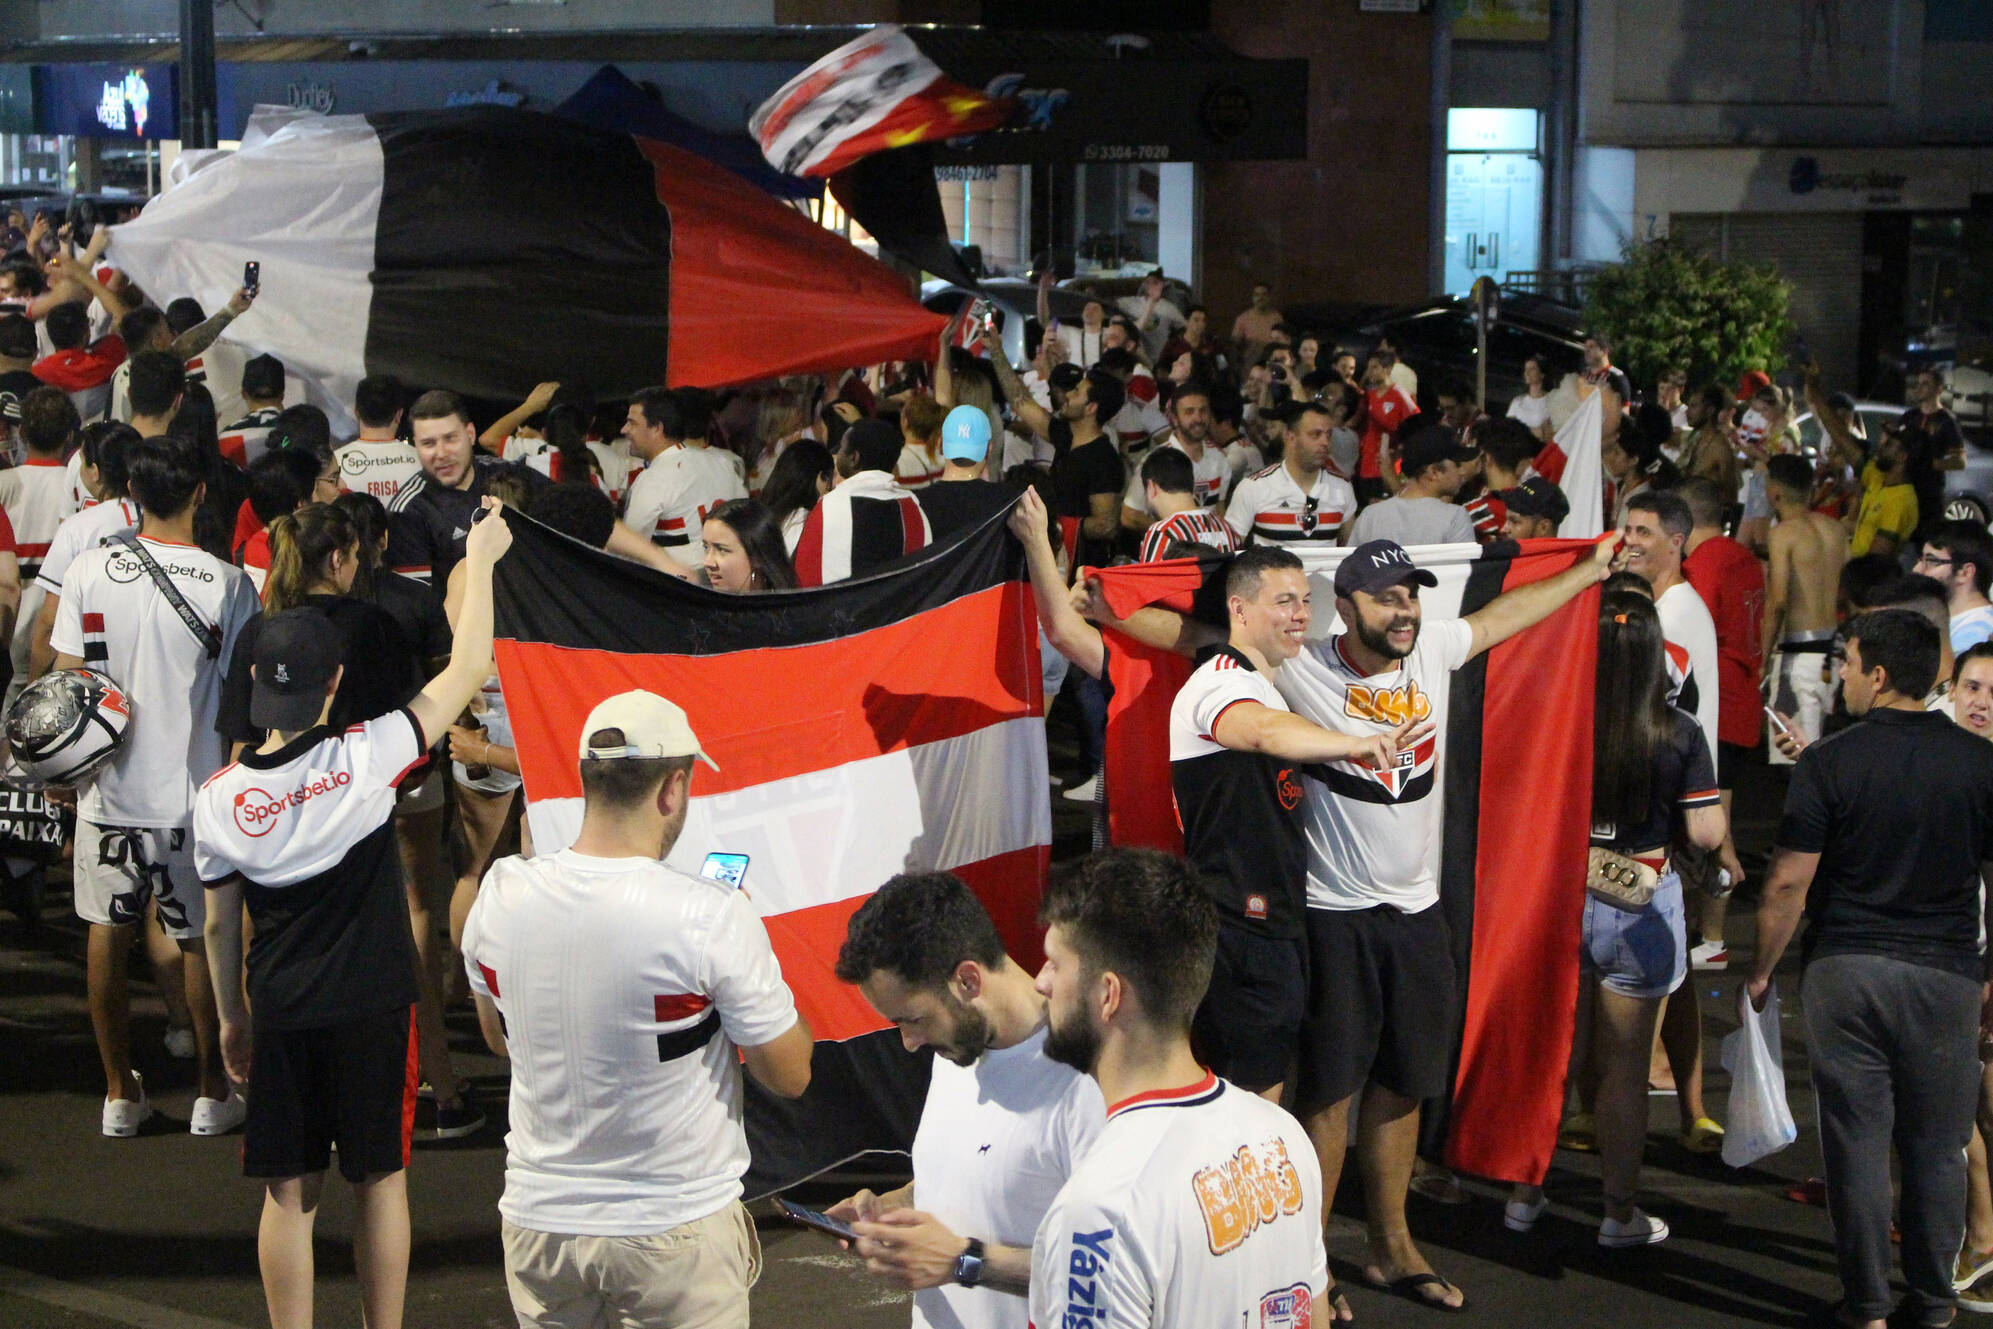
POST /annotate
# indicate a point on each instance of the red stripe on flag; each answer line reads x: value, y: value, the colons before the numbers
x: 806, y: 941
x: 1521, y: 999
x: 861, y: 696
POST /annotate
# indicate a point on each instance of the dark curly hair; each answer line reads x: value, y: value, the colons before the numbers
x: 919, y: 927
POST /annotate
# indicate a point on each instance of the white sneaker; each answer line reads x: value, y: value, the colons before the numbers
x: 1643, y: 1229
x: 1084, y: 791
x: 1710, y: 955
x: 123, y: 1116
x: 180, y: 1043
x: 1521, y: 1215
x: 218, y: 1116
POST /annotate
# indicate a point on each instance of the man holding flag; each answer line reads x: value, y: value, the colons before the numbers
x: 1383, y: 1002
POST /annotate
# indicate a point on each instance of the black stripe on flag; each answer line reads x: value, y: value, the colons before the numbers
x: 535, y: 231
x: 535, y: 600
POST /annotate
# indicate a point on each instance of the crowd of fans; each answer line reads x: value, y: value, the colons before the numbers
x: 290, y: 609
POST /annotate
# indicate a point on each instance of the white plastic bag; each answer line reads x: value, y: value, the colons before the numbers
x: 1760, y: 1121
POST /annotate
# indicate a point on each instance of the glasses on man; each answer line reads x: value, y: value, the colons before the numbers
x: 1932, y: 561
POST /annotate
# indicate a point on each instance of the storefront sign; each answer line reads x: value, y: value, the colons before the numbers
x: 305, y: 95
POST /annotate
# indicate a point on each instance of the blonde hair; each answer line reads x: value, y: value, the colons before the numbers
x: 301, y: 544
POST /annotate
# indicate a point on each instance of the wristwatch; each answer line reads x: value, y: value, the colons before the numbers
x: 969, y: 1264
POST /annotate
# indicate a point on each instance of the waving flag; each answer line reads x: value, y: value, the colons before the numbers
x: 487, y: 248
x: 1516, y: 820
x: 1573, y: 461
x: 870, y: 94
x: 884, y: 725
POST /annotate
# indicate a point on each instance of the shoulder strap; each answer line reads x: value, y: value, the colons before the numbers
x: 205, y: 633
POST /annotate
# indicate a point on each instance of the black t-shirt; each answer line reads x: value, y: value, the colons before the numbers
x: 1899, y: 806
x: 381, y: 671
x: 1241, y: 811
x: 1684, y: 777
x: 427, y: 524
x: 1078, y: 473
x: 415, y: 611
x: 1928, y: 439
x: 954, y: 506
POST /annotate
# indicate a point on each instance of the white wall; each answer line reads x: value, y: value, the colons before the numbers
x: 1179, y: 218
x: 1603, y: 219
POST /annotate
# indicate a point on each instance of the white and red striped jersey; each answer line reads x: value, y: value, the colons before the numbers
x: 36, y: 498
x: 1210, y: 473
x: 1199, y: 1206
x: 670, y: 497
x: 1270, y: 506
x: 916, y: 469
x: 1199, y: 526
x: 1489, y: 514
x: 626, y: 986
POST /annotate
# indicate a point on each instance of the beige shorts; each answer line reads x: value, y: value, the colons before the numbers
x: 695, y: 1276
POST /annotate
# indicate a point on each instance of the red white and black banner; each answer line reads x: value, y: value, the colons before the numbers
x: 888, y: 724
x: 486, y: 248
x: 1516, y: 785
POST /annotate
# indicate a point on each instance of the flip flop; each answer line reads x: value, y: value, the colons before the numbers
x: 1339, y: 1311
x: 1412, y: 1287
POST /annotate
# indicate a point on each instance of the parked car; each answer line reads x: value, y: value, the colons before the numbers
x: 1016, y: 302
x: 1968, y: 492
x: 1437, y: 339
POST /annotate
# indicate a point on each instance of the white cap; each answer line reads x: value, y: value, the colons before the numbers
x: 651, y: 726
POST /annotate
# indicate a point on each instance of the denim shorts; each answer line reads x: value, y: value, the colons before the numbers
x: 1637, y: 952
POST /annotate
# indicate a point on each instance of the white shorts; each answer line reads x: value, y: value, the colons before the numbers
x: 119, y: 868
x: 1803, y: 690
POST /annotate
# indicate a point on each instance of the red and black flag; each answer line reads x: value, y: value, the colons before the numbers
x: 486, y: 248
x: 1516, y: 790
x: 888, y: 724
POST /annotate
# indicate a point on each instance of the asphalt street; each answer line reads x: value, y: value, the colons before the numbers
x: 159, y: 1231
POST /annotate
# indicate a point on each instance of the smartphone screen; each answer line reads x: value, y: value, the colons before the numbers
x: 728, y: 868
x: 814, y: 1218
x: 252, y: 274
x: 1777, y: 723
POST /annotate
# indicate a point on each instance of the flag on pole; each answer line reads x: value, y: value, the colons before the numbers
x: 486, y: 249
x: 1573, y: 461
x: 888, y: 724
x: 871, y: 94
x: 1514, y: 753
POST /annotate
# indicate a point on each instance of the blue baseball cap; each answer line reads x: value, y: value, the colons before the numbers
x: 965, y: 434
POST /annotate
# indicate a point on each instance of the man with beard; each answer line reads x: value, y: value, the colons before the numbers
x: 1190, y: 414
x: 1199, y: 1204
x: 1382, y: 998
x: 1299, y: 497
x: 1003, y: 1126
x: 1087, y: 474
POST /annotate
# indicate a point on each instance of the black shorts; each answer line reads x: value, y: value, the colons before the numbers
x: 1381, y: 1004
x: 1248, y: 1027
x: 352, y: 1084
x: 1731, y: 758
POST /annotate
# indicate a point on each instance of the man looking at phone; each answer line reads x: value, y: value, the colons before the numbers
x: 1003, y: 1125
x: 625, y: 987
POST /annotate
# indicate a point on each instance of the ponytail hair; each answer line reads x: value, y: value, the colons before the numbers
x: 302, y: 543
x: 566, y: 432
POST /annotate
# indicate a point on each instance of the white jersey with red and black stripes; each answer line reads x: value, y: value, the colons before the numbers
x: 1271, y: 506
x: 671, y: 497
x: 1196, y: 1206
x: 1198, y: 526
x: 626, y: 987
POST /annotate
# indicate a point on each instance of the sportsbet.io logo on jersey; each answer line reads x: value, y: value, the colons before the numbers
x: 124, y: 568
x: 257, y: 810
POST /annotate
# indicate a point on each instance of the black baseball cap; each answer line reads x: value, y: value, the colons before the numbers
x: 1537, y: 497
x: 297, y: 653
x: 1065, y: 377
x: 17, y: 337
x: 1377, y: 565
x: 1430, y: 447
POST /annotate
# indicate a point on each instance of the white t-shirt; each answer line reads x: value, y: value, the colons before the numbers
x: 669, y: 500
x: 1210, y: 476
x: 84, y: 530
x: 1371, y: 833
x: 616, y: 467
x: 1244, y: 458
x: 1199, y: 1208
x: 79, y: 493
x: 626, y: 987
x: 1269, y: 506
x: 996, y: 1142
x: 1970, y: 628
x: 1532, y: 411
x: 377, y: 468
x: 916, y: 470
x: 1685, y: 621
x: 36, y: 496
x: 114, y: 619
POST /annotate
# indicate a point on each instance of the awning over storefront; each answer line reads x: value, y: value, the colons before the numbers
x: 1085, y: 97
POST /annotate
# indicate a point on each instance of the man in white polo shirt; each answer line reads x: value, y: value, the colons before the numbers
x: 679, y: 484
x: 1199, y: 1204
x: 1003, y: 1125
x: 625, y: 988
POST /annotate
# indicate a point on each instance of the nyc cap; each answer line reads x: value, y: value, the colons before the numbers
x: 297, y: 653
x: 965, y: 434
x: 1377, y: 565
x: 651, y: 726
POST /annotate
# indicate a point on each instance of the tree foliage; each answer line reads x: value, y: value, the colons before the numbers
x: 1666, y: 305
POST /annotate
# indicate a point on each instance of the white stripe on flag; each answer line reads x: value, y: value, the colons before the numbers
x: 838, y: 833
x: 840, y: 97
x: 302, y: 202
x: 1583, y: 481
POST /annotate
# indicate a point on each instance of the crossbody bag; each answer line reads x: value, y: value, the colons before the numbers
x: 204, y: 632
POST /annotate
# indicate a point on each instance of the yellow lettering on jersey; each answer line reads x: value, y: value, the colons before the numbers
x: 1247, y: 1190
x: 1388, y: 706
